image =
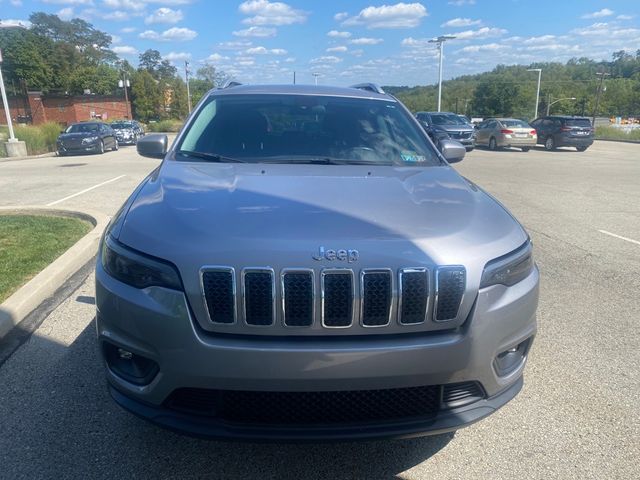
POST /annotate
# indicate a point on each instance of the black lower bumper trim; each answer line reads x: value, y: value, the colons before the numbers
x: 444, y: 421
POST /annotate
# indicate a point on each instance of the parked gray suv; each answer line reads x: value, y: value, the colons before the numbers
x: 305, y: 265
x: 436, y: 123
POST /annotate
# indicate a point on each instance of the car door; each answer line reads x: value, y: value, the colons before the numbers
x: 481, y: 133
x: 110, y: 136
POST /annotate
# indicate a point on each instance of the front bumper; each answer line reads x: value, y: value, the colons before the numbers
x: 570, y: 141
x: 93, y: 147
x: 157, y: 323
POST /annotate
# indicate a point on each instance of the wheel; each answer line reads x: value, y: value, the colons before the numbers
x: 60, y: 154
x: 470, y: 149
x: 526, y: 149
x: 581, y: 149
x: 549, y: 144
x: 101, y: 147
x: 135, y: 139
x: 115, y: 146
x: 493, y: 145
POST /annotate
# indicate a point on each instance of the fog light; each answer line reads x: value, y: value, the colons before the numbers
x: 509, y: 360
x: 128, y: 365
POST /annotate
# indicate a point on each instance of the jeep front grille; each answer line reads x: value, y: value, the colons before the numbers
x: 333, y: 298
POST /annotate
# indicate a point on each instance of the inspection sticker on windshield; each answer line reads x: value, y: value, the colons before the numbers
x: 412, y: 157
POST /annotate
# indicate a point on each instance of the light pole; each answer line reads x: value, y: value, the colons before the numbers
x: 5, y: 103
x: 598, y: 93
x: 539, y: 70
x: 315, y: 77
x: 440, y: 41
x: 549, y: 103
x: 186, y: 77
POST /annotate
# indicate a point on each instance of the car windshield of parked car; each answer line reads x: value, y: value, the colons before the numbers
x: 83, y: 128
x: 513, y: 123
x: 121, y: 126
x: 446, y: 119
x: 276, y: 128
x: 578, y: 122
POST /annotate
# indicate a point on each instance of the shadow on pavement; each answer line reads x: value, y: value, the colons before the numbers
x: 58, y: 421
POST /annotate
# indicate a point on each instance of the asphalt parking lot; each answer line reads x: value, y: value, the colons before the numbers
x: 578, y: 415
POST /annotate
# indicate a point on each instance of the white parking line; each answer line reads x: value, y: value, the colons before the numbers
x: 620, y: 237
x: 84, y: 191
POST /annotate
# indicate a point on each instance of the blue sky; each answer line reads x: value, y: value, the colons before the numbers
x: 346, y: 42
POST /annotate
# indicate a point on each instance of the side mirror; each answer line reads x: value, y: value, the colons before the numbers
x: 452, y: 151
x: 153, y: 146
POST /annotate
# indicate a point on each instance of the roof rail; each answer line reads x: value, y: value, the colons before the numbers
x: 370, y: 87
x: 230, y: 83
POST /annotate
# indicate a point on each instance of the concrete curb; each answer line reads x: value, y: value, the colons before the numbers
x: 28, y: 157
x: 14, y: 309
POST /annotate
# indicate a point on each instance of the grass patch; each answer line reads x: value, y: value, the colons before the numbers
x: 28, y: 243
x: 39, y: 138
x: 615, y: 133
x: 165, y: 126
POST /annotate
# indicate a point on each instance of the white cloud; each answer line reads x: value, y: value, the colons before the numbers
x: 400, y: 15
x: 338, y: 17
x: 259, y: 32
x: 10, y: 22
x: 235, y: 45
x: 177, y: 56
x: 625, y: 17
x: 289, y: 59
x: 488, y: 47
x: 462, y: 3
x: 16, y: 3
x: 69, y: 2
x: 117, y: 15
x: 366, y: 41
x: 125, y: 50
x: 325, y: 60
x: 128, y: 29
x: 216, y: 57
x: 605, y: 12
x: 260, y: 50
x: 66, y: 13
x: 134, y: 5
x: 116, y: 39
x: 337, y: 34
x: 164, y: 15
x: 174, y: 34
x: 263, y: 12
x: 341, y: 48
x: 461, y: 22
x: 484, y: 32
x: 357, y: 52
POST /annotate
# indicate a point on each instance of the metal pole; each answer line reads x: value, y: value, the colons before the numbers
x: 440, y: 44
x: 538, y: 93
x: 5, y: 103
x: 548, y: 104
x: 126, y: 94
x: 598, y: 92
x: 294, y: 77
x: 186, y: 75
x: 315, y: 76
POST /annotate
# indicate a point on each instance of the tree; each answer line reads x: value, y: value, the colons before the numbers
x: 147, y: 96
x: 100, y: 80
x: 151, y: 61
x: 211, y: 74
x: 178, y: 108
x: 25, y: 58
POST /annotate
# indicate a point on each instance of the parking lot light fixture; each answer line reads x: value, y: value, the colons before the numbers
x: 539, y: 70
x: 556, y: 101
x: 440, y: 42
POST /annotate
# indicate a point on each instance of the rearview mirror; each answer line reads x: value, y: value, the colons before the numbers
x: 452, y: 151
x: 153, y: 146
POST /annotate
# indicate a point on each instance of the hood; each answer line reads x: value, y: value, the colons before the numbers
x: 454, y: 128
x: 195, y: 214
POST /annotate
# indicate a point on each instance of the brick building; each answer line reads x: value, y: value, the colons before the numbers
x: 38, y: 108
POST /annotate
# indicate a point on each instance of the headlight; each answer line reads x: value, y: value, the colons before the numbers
x: 509, y: 269
x: 136, y: 269
x: 89, y: 140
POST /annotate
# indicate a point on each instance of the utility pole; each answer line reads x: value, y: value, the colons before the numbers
x: 440, y: 41
x: 294, y: 77
x: 598, y: 93
x: 539, y: 70
x: 5, y: 103
x: 125, y: 84
x: 186, y: 76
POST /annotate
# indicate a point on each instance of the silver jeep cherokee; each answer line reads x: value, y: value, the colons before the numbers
x: 303, y: 265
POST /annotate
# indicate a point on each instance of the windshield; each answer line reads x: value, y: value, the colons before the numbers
x: 83, y: 128
x: 121, y: 126
x: 446, y: 119
x: 578, y: 122
x: 514, y: 123
x: 304, y: 128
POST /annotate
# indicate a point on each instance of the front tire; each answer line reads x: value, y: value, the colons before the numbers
x: 549, y: 144
x: 493, y: 145
x: 101, y: 147
x: 526, y: 149
x: 115, y: 146
x: 581, y: 149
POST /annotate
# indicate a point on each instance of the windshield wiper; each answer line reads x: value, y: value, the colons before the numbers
x: 323, y: 161
x: 211, y: 157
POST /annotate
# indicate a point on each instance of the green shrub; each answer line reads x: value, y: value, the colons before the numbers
x: 39, y: 139
x: 165, y: 126
x: 615, y: 133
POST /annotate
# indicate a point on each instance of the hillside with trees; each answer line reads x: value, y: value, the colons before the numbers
x: 511, y: 90
x: 72, y: 57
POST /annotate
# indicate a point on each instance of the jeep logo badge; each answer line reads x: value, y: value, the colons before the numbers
x: 340, y: 255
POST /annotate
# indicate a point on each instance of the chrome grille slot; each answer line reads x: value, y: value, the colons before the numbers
x: 219, y: 291
x: 376, y: 293
x: 450, y: 286
x: 337, y: 298
x: 413, y: 295
x: 297, y: 297
x: 259, y: 296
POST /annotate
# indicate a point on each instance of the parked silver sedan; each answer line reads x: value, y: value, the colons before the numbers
x: 506, y: 132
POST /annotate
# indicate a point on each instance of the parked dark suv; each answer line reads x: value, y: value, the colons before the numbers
x: 564, y: 131
x: 438, y: 123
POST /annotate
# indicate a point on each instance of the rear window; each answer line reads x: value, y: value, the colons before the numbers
x: 281, y: 128
x: 578, y: 122
x: 515, y: 123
